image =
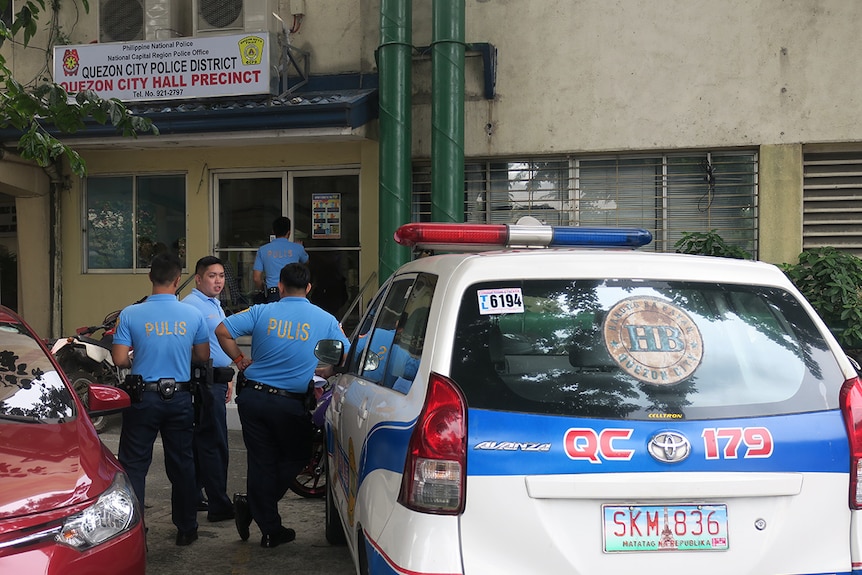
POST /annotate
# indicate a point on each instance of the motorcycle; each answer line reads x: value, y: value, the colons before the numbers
x: 86, y: 359
x: 311, y: 481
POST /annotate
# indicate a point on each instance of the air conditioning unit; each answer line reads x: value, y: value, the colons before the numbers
x: 132, y: 20
x: 235, y: 16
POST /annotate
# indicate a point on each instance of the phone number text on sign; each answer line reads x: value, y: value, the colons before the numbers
x: 502, y: 300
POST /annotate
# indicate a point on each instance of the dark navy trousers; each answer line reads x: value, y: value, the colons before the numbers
x: 277, y: 434
x: 174, y: 419
x: 211, y: 448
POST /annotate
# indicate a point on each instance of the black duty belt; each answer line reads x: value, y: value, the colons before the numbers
x: 272, y: 290
x: 274, y: 390
x: 180, y: 386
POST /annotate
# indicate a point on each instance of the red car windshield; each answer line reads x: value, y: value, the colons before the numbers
x: 31, y: 390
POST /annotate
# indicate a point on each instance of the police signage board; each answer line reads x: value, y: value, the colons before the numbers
x: 179, y: 68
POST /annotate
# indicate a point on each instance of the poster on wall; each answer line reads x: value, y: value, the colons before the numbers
x: 326, y: 214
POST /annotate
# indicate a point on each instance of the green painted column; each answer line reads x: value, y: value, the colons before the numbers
x: 394, y: 61
x: 447, y: 111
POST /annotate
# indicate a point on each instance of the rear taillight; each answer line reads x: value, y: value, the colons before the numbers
x: 435, y: 470
x: 851, y: 407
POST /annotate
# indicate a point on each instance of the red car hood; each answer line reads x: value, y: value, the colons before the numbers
x: 45, y: 467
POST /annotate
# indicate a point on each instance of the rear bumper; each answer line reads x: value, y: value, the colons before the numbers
x: 398, y: 551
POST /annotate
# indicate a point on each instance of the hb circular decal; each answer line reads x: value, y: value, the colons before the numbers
x: 652, y: 340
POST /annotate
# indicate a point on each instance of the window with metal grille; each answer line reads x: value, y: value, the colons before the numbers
x: 832, y: 200
x: 667, y: 194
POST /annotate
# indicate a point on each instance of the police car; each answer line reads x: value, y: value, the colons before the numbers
x: 606, y: 410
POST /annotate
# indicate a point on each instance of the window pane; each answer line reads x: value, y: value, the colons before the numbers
x: 667, y: 195
x: 537, y: 188
x: 109, y: 223
x: 161, y: 223
x: 407, y: 345
x: 746, y: 350
x: 475, y: 200
x: 727, y: 205
x: 360, y: 336
x: 384, y: 330
x: 247, y: 207
x: 619, y: 192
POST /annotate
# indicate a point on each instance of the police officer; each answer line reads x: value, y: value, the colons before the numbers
x: 167, y: 336
x: 210, y: 439
x: 275, y: 425
x: 275, y: 255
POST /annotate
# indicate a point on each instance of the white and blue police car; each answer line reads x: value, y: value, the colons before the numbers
x: 605, y: 410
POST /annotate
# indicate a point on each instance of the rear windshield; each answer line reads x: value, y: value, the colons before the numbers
x: 629, y: 349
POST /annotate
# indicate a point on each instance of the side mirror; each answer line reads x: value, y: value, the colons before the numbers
x: 106, y: 399
x: 329, y: 351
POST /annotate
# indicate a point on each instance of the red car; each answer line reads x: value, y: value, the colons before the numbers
x: 66, y: 507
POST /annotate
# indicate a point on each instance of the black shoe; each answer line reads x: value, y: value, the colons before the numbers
x: 284, y: 535
x: 203, y: 505
x: 187, y: 537
x: 242, y: 515
x: 223, y: 516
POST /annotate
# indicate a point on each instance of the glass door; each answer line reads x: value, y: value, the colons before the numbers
x: 245, y: 206
x: 326, y: 206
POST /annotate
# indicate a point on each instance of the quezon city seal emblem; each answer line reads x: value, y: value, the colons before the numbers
x: 652, y: 340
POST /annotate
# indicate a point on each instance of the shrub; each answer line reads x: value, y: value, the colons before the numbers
x: 709, y: 244
x: 832, y: 281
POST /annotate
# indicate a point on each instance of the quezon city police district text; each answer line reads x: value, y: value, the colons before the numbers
x: 169, y: 66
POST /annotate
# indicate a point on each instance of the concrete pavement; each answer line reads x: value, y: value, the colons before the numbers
x: 219, y: 549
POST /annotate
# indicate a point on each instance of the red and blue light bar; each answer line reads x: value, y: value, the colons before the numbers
x: 472, y: 236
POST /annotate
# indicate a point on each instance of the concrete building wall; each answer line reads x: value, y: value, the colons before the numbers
x: 89, y: 297
x: 625, y: 75
x: 573, y: 77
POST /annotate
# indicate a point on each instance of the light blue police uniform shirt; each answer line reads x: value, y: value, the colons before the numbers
x: 213, y: 313
x: 283, y: 336
x: 275, y: 255
x: 161, y: 330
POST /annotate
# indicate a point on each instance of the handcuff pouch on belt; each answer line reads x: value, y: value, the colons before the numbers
x: 167, y: 387
x: 133, y: 384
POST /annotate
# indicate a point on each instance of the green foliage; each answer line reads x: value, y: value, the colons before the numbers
x: 31, y: 109
x: 832, y: 281
x: 709, y: 244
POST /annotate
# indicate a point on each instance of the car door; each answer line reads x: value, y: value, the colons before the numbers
x: 356, y: 389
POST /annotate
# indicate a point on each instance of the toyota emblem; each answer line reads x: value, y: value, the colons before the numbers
x: 669, y: 447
